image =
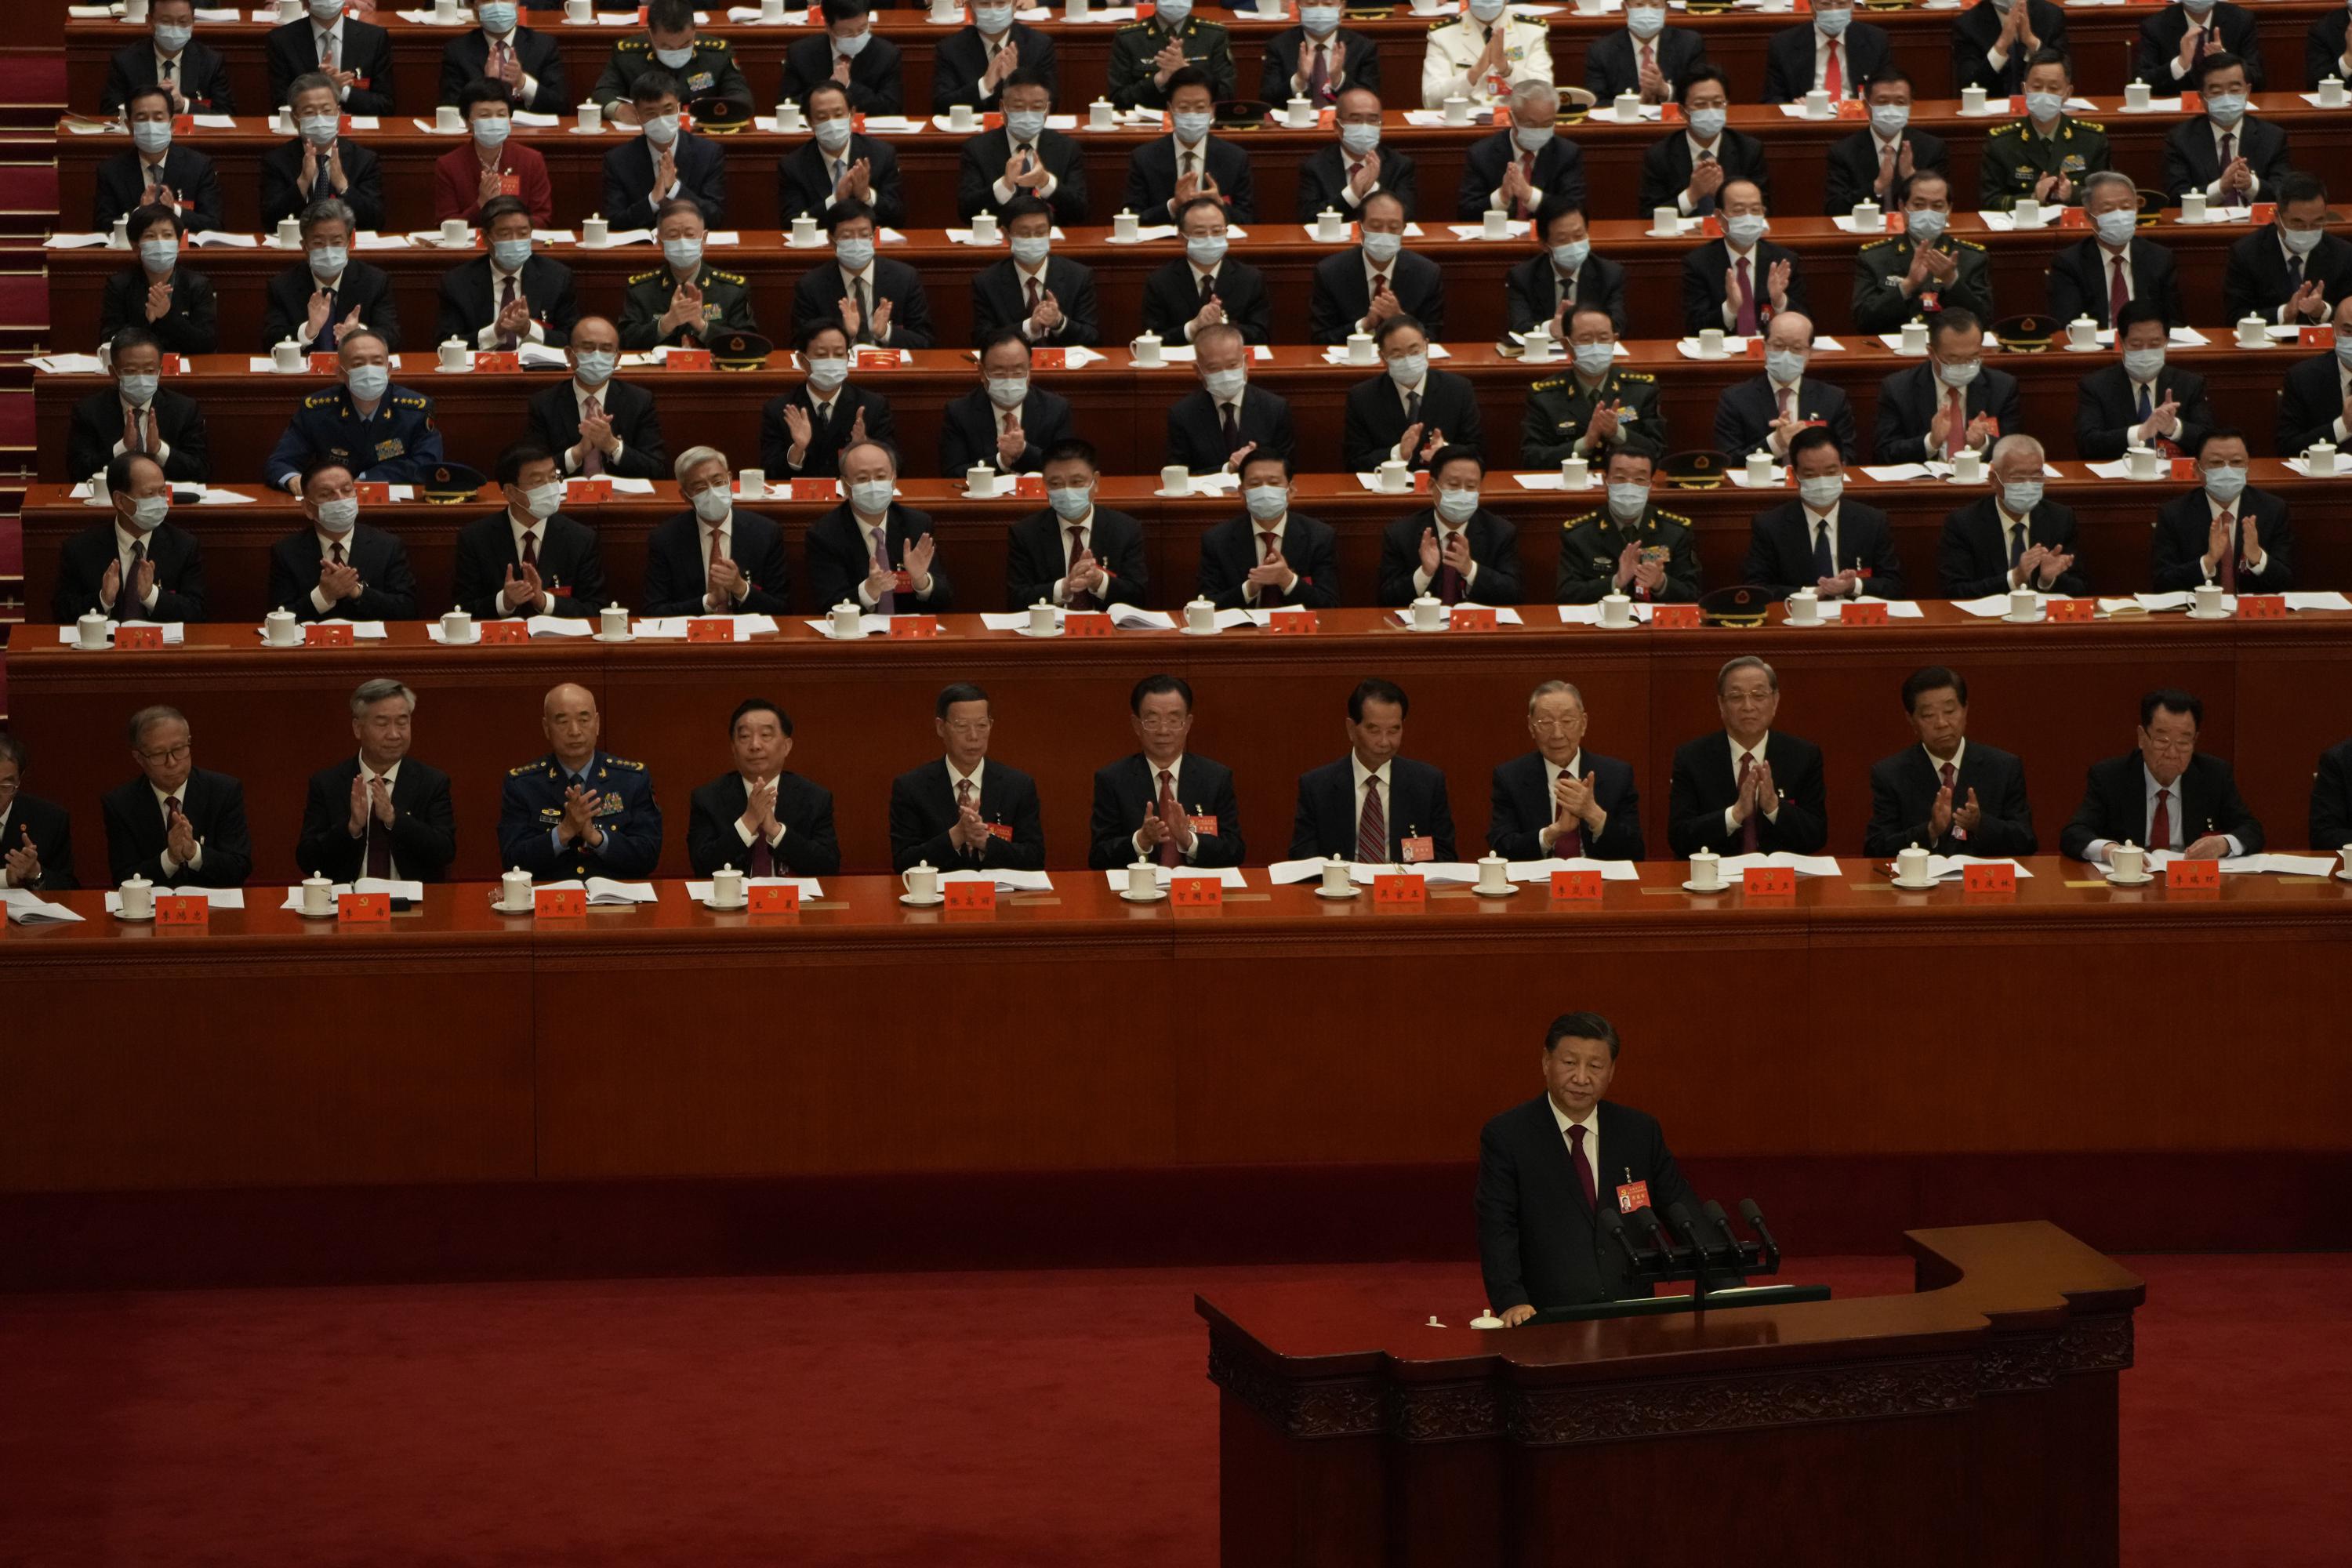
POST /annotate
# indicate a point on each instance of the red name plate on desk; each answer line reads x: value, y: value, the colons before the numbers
x: 970, y: 895
x: 714, y: 628
x: 2262, y: 606
x: 2202, y: 875
x: 317, y: 636
x: 138, y: 637
x: 1862, y: 615
x: 504, y: 631
x: 1087, y: 624
x: 1465, y: 619
x: 363, y: 908
x: 1401, y: 890
x: 1988, y: 878
x: 577, y: 491
x: 1049, y: 359
x: 914, y: 625
x: 373, y: 492
x: 325, y: 364
x: 561, y: 902
x: 183, y: 909
x: 1674, y: 617
x: 2315, y: 337
x: 1768, y: 881
x: 687, y: 358
x: 784, y: 901
x: 1292, y: 621
x: 812, y: 489
x: 1197, y: 892
x: 491, y: 360
x: 2074, y: 609
x: 1577, y: 887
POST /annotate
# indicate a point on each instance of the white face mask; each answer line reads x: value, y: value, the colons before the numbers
x: 1008, y: 390
x: 158, y: 255
x: 713, y: 504
x: 1457, y: 506
x: 319, y: 129
x: 854, y: 45
x: 543, y: 500
x: 1820, y: 493
x: 832, y: 132
x: 826, y: 373
x: 1626, y: 501
x: 1744, y: 229
x: 594, y: 367
x: 148, y: 512
x: 1029, y: 250
x: 1381, y: 246
x: 2116, y: 225
x: 1409, y: 370
x: 674, y: 59
x: 661, y: 130
x: 1646, y: 22
x: 1266, y: 502
x: 1224, y: 385
x: 993, y: 20
x: 1487, y: 10
x: 339, y: 516
x: 871, y: 497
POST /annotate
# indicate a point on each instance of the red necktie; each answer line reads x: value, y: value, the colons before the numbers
x: 887, y: 602
x: 1448, y: 582
x: 2229, y: 552
x: 1168, y: 854
x: 1584, y: 1183
x: 507, y: 341
x: 1373, y: 827
x: 1380, y: 284
x: 594, y: 461
x: 2118, y: 290
x: 2159, y: 826
x: 1569, y: 846
x: 763, y: 859
x: 1833, y: 79
x: 1746, y: 321
x: 1081, y: 598
x: 379, y: 842
x: 1951, y: 776
x: 1527, y: 167
x: 1035, y: 296
x: 1749, y: 833
x: 1788, y: 401
x: 135, y: 438
x: 1318, y: 77
x: 531, y: 547
x: 717, y: 555
x: 1956, y: 430
x: 1649, y: 60
x: 1268, y: 594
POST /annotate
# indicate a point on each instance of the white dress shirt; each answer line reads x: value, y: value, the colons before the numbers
x: 955, y: 778
x: 488, y: 338
x: 726, y: 549
x: 1086, y: 530
x: 872, y: 298
x: 2237, y: 510
x: 1175, y: 770
x: 742, y: 827
x: 1546, y: 834
x: 580, y: 396
x: 1021, y: 277
x: 1421, y: 388
x: 1699, y: 149
x: 1203, y: 278
x: 327, y: 542
x: 1363, y: 775
x: 173, y: 863
x: 1759, y: 279
x: 1591, y: 1125
x: 124, y: 538
x: 2254, y: 190
x: 517, y: 529
x: 1738, y: 754
x: 2178, y: 835
x: 318, y: 36
x: 1422, y: 577
x: 1822, y: 44
x: 512, y: 40
x: 1773, y: 439
x: 877, y: 535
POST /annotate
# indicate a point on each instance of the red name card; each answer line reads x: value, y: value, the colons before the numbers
x: 493, y: 360
x: 317, y: 636
x: 2262, y: 606
x: 812, y: 489
x: 2074, y: 609
x: 1297, y: 621
x: 183, y: 909
x: 2204, y: 875
x: 363, y: 908
x: 1087, y: 624
x: 1466, y: 619
x: 2263, y: 213
x: 914, y: 625
x: 138, y: 637
x: 687, y: 358
x: 503, y: 631
x: 1197, y: 892
x: 2072, y: 217
x: 1580, y: 887
x: 710, y: 629
x: 1770, y: 881
x: 1400, y: 890
x: 373, y: 492
x: 564, y: 902
x: 782, y: 901
x: 2001, y: 879
x: 1676, y: 617
x: 578, y: 492
x: 325, y: 364
x: 1862, y: 615
x: 872, y: 358
x: 1049, y: 359
x: 970, y: 895
x: 1031, y: 486
x: 2315, y: 337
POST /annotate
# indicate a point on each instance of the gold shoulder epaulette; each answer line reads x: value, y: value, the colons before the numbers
x: 644, y: 278
x: 631, y: 45
x: 1968, y: 244
x: 2013, y: 128
x: 1448, y: 22
x: 743, y: 282
x: 526, y: 768
x: 1576, y: 522
x: 1671, y: 515
x: 1545, y: 385
x: 321, y: 399
x: 1132, y: 27
x: 1879, y: 244
x: 1636, y: 375
x: 716, y: 45
x: 624, y: 763
x: 2092, y: 125
x: 411, y: 400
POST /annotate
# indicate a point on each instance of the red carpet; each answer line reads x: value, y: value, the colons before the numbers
x: 946, y: 1420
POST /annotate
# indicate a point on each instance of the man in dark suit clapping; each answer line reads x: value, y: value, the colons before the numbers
x: 36, y: 834
x: 1747, y: 790
x: 595, y: 423
x: 134, y: 566
x: 1206, y: 287
x: 1048, y: 300
x: 965, y: 812
x: 175, y: 825
x: 530, y: 559
x: 1076, y: 552
x: 2163, y: 796
x: 1948, y: 795
x: 715, y: 558
x: 1374, y: 805
x: 1269, y: 557
x: 1559, y: 799
x: 381, y: 814
x: 756, y: 817
x: 1163, y: 804
x: 337, y: 567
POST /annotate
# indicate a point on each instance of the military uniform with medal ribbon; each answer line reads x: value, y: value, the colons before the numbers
x: 531, y: 819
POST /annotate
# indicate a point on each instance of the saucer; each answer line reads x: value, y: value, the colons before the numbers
x: 325, y: 915
x: 915, y: 902
x: 1327, y: 893
x: 2084, y: 348
x: 1030, y: 632
x: 135, y: 919
x: 1200, y: 631
x: 1504, y: 892
x: 453, y: 370
x: 718, y: 909
x: 1173, y: 495
x: 1152, y: 897
x: 2035, y: 619
x: 2210, y: 616
x: 607, y: 636
x: 529, y: 909
x: 1927, y: 886
x: 2142, y: 880
x: 1718, y: 888
x: 2343, y: 876
x: 462, y: 642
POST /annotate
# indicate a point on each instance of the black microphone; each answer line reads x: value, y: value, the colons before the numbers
x: 1645, y: 1224
x: 1688, y: 1231
x: 1755, y: 1218
x: 1722, y: 1222
x: 1613, y: 1225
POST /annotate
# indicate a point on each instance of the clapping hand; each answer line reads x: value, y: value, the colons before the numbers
x: 181, y: 838
x: 521, y: 589
x: 728, y: 584
x: 580, y: 818
x: 917, y: 560
x: 339, y: 580
x: 1048, y: 318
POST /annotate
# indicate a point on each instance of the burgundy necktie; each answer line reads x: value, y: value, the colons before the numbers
x: 1747, y: 318
x: 1447, y: 583
x: 1080, y: 598
x: 1749, y: 833
x: 886, y: 602
x: 1035, y: 296
x: 1233, y: 429
x: 126, y: 604
x: 2229, y: 552
x: 2159, y: 826
x: 1585, y: 1186
x: 379, y: 844
x: 1318, y: 77
x: 594, y: 462
x: 1168, y: 854
x: 1955, y: 428
x: 507, y: 342
x: 1269, y: 594
x: 1373, y: 827
x: 531, y: 547
x: 2118, y: 290
x: 336, y: 551
x: 135, y: 438
x: 1570, y: 844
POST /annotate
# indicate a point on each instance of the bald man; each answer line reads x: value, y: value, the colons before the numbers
x: 578, y: 811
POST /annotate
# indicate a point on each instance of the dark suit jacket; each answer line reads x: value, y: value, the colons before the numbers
x: 1532, y: 290
x: 2115, y: 806
x: 678, y: 563
x: 387, y: 587
x: 284, y: 195
x: 97, y: 427
x: 2256, y: 283
x: 981, y: 164
x: 1854, y: 168
x: 1613, y: 64
x: 469, y: 300
x: 2181, y: 528
x: 50, y: 830
x: 1000, y: 303
x: 1906, y: 408
x: 1124, y: 788
x: 192, y: 326
x: 2331, y: 800
x: 84, y: 557
x: 803, y: 186
x: 961, y: 60
x: 822, y: 461
x: 570, y: 567
x: 555, y: 425
x: 1558, y: 178
x: 1780, y: 549
x: 1703, y: 294
x: 466, y: 60
x: 1035, y: 558
x: 923, y: 808
x: 1376, y: 419
x: 424, y: 830
x: 1973, y: 32
x: 1666, y: 166
x: 203, y: 74
x: 629, y: 178
x: 1521, y: 807
x: 2310, y: 404
x: 808, y: 847
x: 136, y: 836
x: 123, y: 186
x: 1361, y: 69
x: 365, y: 52
x: 838, y: 560
x: 1343, y: 293
x: 2106, y: 408
x: 1903, y: 803
x: 1704, y: 784
x: 1196, y: 435
x: 1171, y: 297
x: 2192, y: 162
x: 1789, y: 60
x: 1493, y: 545
x: 1328, y: 808
x: 2323, y: 52
x: 876, y: 85
x: 967, y: 431
x: 286, y: 311
x: 1744, y: 414
x: 1152, y: 178
x: 1539, y: 1245
x: 2159, y: 44
x: 2078, y: 282
x: 1972, y: 558
x: 818, y: 295
x: 1325, y: 173
x: 1229, y: 551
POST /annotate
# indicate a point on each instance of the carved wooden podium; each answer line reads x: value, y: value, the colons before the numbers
x: 1971, y: 1422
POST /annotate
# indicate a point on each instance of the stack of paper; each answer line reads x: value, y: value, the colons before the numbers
x: 1943, y: 868
x: 1731, y: 866
x: 605, y: 890
x: 1540, y: 871
x: 26, y: 907
x: 1227, y: 876
x: 1006, y: 881
x: 809, y: 886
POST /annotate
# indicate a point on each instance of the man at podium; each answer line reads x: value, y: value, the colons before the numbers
x: 1544, y: 1168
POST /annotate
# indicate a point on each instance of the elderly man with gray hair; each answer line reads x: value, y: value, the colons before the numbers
x: 2012, y: 537
x: 1524, y: 166
x: 175, y: 825
x: 714, y: 558
x: 2116, y: 267
x: 381, y: 814
x: 1748, y: 789
x: 1560, y: 801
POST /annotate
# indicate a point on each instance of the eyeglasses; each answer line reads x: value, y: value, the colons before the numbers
x: 165, y: 754
x: 2169, y: 743
x: 970, y: 726
x: 1556, y: 726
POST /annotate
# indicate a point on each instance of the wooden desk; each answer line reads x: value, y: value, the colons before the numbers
x: 927, y: 162
x: 1972, y: 1422
x: 2060, y: 697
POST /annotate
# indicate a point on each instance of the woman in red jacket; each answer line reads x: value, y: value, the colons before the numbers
x: 489, y: 164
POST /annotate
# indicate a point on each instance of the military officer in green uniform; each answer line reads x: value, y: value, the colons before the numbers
x: 2046, y: 154
x: 1925, y: 270
x: 687, y: 301
x: 1144, y: 54
x: 1629, y: 546
x: 704, y: 67
x: 1597, y: 408
x: 578, y: 811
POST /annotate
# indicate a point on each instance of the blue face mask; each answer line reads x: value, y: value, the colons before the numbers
x: 2225, y: 484
x: 1205, y: 249
x: 1833, y: 24
x: 856, y: 255
x: 674, y: 59
x: 1320, y: 21
x: 1707, y: 124
x: 158, y: 255
x: 2344, y: 350
x: 994, y: 21
x: 497, y: 16
x: 171, y: 37
x: 1382, y: 247
x: 2021, y: 496
x: 832, y: 131
x: 319, y: 129
x: 1926, y: 225
x: 592, y: 367
x: 329, y: 260
x: 1409, y: 370
x: 1358, y: 138
x: 368, y: 382
x: 2226, y: 109
x: 1822, y: 491
x: 1890, y: 120
x: 150, y: 136
x: 854, y: 45
x: 2045, y: 105
x: 1266, y: 502
x: 2143, y: 365
x: 1569, y: 257
x: 492, y: 129
x: 1531, y: 138
x: 510, y: 253
x: 1024, y: 124
x: 1783, y: 365
x: 1626, y: 501
x: 684, y: 255
x: 2116, y: 225
x: 1070, y: 502
x: 1457, y: 506
x: 1646, y: 22
x: 1594, y: 359
x: 1744, y: 229
x: 871, y: 497
x: 1191, y: 124
x: 1029, y: 250
x: 139, y: 390
x: 1172, y: 13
